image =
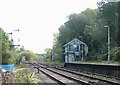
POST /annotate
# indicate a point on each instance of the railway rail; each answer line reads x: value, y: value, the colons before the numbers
x: 65, y: 76
x: 85, y: 76
x: 59, y: 77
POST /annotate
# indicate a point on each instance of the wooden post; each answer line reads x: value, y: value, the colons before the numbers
x: 38, y: 70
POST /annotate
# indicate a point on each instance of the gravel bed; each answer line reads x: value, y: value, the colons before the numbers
x: 81, y: 77
x: 61, y: 78
x: 65, y: 80
x: 73, y: 75
x: 96, y: 76
x: 41, y: 76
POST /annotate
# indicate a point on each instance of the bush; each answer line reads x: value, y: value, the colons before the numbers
x: 29, y: 56
x: 116, y: 54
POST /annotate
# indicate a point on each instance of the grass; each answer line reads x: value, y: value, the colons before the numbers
x: 23, y: 76
x: 19, y: 66
x: 56, y: 63
x: 36, y: 78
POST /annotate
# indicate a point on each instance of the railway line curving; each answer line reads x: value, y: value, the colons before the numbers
x: 65, y: 76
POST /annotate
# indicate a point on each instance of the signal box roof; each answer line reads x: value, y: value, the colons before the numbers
x: 75, y: 41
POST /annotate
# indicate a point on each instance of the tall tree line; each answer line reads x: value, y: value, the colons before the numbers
x: 90, y: 25
x: 4, y: 47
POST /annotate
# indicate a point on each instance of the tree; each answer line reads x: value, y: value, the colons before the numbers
x: 74, y: 28
x: 5, y: 47
x: 48, y: 52
x: 109, y: 11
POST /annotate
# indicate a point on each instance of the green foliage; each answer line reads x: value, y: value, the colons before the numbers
x: 23, y: 76
x: 36, y: 78
x: 13, y: 57
x: 90, y: 25
x: 9, y: 57
x: 19, y: 66
x: 48, y: 54
x: 81, y: 24
x: 29, y: 56
x: 115, y: 54
x: 58, y: 55
x: 5, y: 47
x: 109, y: 11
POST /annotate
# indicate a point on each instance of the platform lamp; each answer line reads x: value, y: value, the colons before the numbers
x: 106, y: 26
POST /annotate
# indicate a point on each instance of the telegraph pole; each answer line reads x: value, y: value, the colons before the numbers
x: 82, y: 49
x: 12, y: 42
x: 82, y: 46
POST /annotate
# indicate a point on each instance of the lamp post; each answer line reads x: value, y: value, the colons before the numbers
x: 106, y: 26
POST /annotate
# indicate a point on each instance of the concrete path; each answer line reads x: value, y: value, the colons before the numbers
x: 18, y: 70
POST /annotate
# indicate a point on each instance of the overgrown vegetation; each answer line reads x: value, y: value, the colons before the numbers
x: 23, y: 76
x: 90, y: 25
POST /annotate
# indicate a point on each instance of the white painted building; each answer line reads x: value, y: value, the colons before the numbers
x: 75, y: 50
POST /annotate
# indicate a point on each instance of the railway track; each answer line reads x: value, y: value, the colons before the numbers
x: 82, y: 75
x: 60, y: 78
x: 64, y: 76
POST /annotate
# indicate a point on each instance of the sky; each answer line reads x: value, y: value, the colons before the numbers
x: 38, y: 19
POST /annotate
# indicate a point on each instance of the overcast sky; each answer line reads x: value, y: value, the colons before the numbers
x: 38, y: 19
